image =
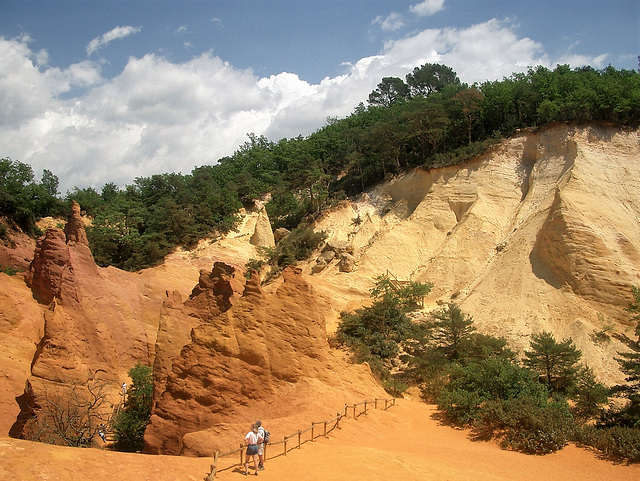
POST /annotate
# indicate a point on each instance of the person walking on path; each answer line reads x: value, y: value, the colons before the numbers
x: 262, y: 446
x: 252, y: 439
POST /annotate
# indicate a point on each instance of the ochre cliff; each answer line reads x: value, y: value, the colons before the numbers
x: 540, y: 233
x: 267, y: 357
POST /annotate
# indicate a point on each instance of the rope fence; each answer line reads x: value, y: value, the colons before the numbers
x: 296, y: 440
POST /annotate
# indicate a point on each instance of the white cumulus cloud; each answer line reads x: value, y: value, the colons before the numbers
x: 104, y: 39
x: 394, y: 21
x: 427, y: 7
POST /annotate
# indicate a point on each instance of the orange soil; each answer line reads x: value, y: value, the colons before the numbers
x: 402, y: 443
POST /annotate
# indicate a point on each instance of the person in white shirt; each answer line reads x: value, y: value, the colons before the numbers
x: 252, y: 439
x: 261, y: 446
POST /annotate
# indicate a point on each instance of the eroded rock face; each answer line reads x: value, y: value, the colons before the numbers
x: 245, y: 362
x: 93, y: 319
x: 263, y: 235
x: 58, y: 254
x: 570, y: 252
x: 214, y: 294
x: 74, y: 229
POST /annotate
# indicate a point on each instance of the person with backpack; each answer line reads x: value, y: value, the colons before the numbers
x: 252, y: 439
x: 263, y: 445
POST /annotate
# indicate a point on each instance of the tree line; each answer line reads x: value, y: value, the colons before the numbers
x: 429, y: 119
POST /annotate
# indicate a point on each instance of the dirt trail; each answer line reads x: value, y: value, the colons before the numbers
x: 406, y: 443
x: 402, y: 443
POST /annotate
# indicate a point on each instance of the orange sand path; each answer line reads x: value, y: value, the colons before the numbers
x: 403, y: 443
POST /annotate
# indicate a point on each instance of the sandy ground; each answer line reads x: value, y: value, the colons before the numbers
x: 403, y: 443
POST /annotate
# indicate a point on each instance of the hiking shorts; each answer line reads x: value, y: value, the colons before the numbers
x: 252, y: 449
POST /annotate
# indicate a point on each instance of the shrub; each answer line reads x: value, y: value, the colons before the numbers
x: 9, y: 270
x: 68, y: 414
x: 394, y: 387
x: 524, y: 425
x: 132, y: 421
x: 298, y: 245
x: 617, y: 442
x: 460, y: 406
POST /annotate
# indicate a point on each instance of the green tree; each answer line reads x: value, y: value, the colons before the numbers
x: 589, y: 395
x: 488, y: 380
x: 408, y: 295
x: 431, y: 77
x: 383, y: 326
x: 390, y: 91
x: 132, y: 420
x: 16, y: 200
x: 469, y: 100
x: 451, y: 330
x: 555, y: 362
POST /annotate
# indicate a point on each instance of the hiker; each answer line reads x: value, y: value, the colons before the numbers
x: 262, y: 446
x: 124, y: 388
x: 101, y: 433
x: 252, y: 439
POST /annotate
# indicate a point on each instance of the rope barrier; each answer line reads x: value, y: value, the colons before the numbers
x: 339, y: 416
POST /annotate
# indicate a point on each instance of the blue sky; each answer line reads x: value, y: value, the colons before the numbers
x: 106, y: 91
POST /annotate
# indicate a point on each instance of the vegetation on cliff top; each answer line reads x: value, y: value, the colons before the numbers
x: 430, y: 120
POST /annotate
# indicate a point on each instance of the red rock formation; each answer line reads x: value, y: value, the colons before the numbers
x: 74, y: 229
x: 94, y: 326
x: 215, y: 293
x: 257, y: 358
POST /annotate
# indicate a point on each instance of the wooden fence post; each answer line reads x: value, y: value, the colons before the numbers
x: 285, y: 445
x: 299, y: 436
x: 325, y: 429
x: 312, y: 426
x: 214, y: 466
x: 338, y: 420
x: 241, y: 453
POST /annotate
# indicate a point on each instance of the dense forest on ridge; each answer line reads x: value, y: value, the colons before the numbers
x: 429, y: 119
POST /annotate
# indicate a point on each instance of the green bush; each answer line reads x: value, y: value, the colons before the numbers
x: 617, y: 442
x: 394, y: 387
x: 479, y: 382
x: 9, y: 270
x: 524, y: 425
x: 460, y: 406
x: 297, y: 246
x: 132, y: 421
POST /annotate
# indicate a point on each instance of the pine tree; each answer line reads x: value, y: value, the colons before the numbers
x: 555, y: 362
